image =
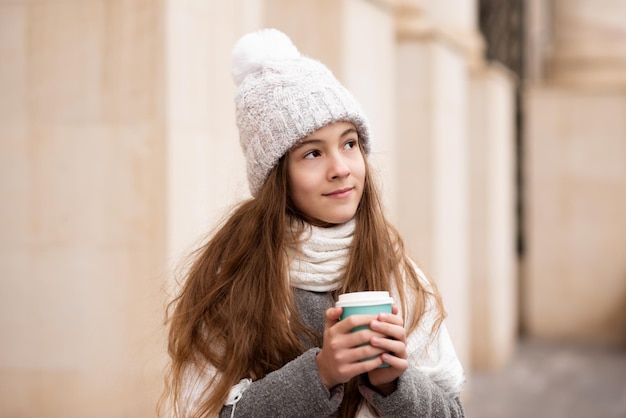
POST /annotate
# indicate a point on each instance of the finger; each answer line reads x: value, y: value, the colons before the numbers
x: 394, y: 361
x: 358, y: 338
x: 360, y: 354
x: 354, y: 321
x: 363, y: 366
x: 332, y: 316
x: 390, y: 318
x: 395, y: 331
x: 398, y: 348
x: 395, y: 309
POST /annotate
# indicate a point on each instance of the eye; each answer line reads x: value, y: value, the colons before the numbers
x: 311, y: 154
x: 350, y: 144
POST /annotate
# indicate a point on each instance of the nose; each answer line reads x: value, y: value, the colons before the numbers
x: 338, y: 167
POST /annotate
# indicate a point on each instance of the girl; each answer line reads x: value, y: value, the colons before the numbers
x: 253, y: 332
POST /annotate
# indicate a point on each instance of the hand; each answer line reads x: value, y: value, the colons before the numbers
x: 394, y: 351
x: 338, y: 361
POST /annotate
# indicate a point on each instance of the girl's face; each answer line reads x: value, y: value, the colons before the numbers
x: 326, y: 173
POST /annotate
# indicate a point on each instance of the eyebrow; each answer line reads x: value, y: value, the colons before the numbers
x: 316, y: 141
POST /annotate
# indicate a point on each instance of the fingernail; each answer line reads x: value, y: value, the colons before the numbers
x: 374, y: 325
x: 375, y: 341
x: 382, y: 316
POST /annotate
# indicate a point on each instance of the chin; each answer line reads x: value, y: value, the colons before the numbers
x: 339, y: 219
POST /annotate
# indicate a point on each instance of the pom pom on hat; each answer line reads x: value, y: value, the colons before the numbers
x: 254, y: 50
x: 283, y: 96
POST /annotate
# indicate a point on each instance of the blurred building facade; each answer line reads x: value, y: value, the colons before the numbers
x: 119, y: 152
x: 574, y: 106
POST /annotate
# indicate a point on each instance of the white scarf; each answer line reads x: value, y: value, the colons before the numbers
x: 320, y: 258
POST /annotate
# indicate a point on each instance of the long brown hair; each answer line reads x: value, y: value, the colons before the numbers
x: 240, y: 277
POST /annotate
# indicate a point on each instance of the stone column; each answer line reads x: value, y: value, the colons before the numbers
x: 493, y: 258
x: 432, y: 97
x: 82, y: 151
x: 574, y: 270
x: 205, y: 166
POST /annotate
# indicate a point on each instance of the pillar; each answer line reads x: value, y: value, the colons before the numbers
x: 574, y: 269
x: 82, y: 151
x: 432, y: 95
x: 493, y: 258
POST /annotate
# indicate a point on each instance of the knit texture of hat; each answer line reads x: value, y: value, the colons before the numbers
x: 282, y: 97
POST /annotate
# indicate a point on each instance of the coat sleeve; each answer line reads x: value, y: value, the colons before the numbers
x: 416, y: 396
x: 295, y: 390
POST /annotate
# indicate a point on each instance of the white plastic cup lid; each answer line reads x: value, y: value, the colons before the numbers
x: 363, y: 299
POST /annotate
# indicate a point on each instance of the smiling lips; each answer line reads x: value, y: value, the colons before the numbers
x: 340, y: 193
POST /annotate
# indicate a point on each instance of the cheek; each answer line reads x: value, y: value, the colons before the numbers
x: 358, y: 171
x: 301, y: 184
x: 305, y: 187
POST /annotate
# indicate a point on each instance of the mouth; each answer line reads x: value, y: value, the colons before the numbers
x: 340, y: 193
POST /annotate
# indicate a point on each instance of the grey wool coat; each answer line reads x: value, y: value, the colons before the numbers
x: 296, y: 389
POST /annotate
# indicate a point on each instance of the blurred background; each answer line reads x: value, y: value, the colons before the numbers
x: 500, y: 143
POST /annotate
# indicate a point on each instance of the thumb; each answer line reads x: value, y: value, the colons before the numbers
x: 332, y: 316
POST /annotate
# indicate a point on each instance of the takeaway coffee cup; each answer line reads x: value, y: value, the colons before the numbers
x: 364, y: 303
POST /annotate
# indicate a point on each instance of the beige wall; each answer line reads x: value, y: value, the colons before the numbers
x: 82, y: 249
x: 574, y: 272
x: 588, y: 43
x: 205, y: 166
x: 575, y: 269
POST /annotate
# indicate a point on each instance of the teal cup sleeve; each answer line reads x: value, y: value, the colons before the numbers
x: 366, y: 310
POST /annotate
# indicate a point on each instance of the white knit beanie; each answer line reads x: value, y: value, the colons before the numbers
x: 282, y: 97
